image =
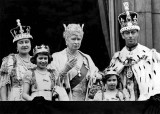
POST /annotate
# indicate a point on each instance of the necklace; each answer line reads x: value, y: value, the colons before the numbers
x: 24, y: 60
x: 78, y: 70
x: 42, y: 72
x: 24, y: 64
x: 75, y: 55
x: 70, y: 55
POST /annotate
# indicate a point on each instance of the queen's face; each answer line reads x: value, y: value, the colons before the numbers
x: 74, y: 42
x: 112, y: 82
x: 24, y: 46
x: 42, y: 61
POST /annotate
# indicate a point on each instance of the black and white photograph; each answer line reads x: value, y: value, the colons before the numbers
x: 80, y: 56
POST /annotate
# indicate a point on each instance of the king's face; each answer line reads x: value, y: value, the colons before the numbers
x: 130, y: 37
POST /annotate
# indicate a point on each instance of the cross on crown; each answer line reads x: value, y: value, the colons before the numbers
x: 20, y: 32
x: 128, y: 19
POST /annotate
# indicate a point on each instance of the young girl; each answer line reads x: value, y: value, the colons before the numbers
x: 111, y: 90
x: 40, y: 81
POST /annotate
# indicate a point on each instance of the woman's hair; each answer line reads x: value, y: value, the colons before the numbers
x: 106, y: 77
x: 34, y: 58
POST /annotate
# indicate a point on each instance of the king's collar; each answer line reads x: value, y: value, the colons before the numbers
x: 138, y: 52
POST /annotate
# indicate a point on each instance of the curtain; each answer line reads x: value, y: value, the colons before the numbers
x: 104, y: 14
x: 109, y: 11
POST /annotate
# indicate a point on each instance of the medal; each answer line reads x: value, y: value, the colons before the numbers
x: 129, y: 72
x: 79, y: 73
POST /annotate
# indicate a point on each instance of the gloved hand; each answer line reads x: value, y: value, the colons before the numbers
x: 69, y: 65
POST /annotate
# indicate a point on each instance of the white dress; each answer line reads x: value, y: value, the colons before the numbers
x: 105, y: 96
x: 41, y: 84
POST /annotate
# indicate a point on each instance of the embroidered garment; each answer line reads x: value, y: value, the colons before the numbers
x: 104, y: 96
x: 12, y: 72
x: 80, y: 91
x: 41, y: 84
x: 141, y: 66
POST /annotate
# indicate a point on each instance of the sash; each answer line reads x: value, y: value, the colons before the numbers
x: 77, y: 79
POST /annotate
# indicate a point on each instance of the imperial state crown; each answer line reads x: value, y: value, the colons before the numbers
x: 128, y: 19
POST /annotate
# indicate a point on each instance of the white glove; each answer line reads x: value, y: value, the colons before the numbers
x: 69, y: 65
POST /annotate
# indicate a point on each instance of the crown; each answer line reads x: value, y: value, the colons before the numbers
x: 41, y: 49
x: 110, y: 71
x: 20, y: 32
x: 73, y: 29
x: 128, y: 19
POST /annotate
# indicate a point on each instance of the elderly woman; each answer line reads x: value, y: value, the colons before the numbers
x: 77, y: 72
x: 15, y: 65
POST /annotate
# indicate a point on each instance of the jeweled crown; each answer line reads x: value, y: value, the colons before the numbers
x: 41, y: 49
x: 73, y: 29
x: 110, y: 71
x: 128, y: 19
x: 20, y: 32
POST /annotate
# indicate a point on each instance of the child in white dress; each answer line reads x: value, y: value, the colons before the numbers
x: 112, y: 90
x: 39, y: 81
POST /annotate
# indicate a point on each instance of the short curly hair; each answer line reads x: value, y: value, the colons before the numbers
x: 33, y: 59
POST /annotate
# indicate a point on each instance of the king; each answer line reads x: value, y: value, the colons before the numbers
x: 137, y: 65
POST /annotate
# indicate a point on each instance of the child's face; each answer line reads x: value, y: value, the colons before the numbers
x: 42, y: 61
x: 112, y: 82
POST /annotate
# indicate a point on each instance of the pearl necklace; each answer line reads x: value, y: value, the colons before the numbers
x: 70, y: 56
x: 23, y: 60
x: 25, y: 64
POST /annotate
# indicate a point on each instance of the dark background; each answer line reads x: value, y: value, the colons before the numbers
x: 46, y: 18
x: 90, y: 107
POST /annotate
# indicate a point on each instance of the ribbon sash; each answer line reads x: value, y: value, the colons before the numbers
x: 77, y: 79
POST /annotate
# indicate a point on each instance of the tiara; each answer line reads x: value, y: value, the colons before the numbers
x: 41, y: 49
x: 73, y: 29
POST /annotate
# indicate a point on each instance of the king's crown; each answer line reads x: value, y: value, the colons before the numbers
x: 128, y: 19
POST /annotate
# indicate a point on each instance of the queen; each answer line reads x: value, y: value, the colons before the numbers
x: 76, y: 70
x: 15, y: 65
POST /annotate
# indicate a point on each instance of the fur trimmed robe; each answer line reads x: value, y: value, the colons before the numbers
x: 145, y: 66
